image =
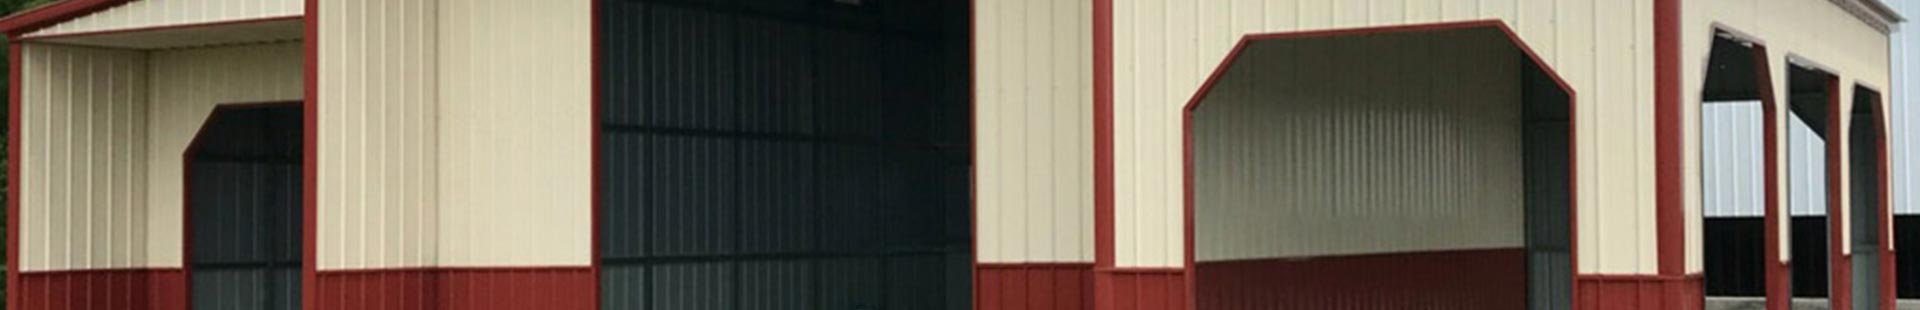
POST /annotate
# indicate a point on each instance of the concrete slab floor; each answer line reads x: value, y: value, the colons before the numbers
x: 1759, y: 303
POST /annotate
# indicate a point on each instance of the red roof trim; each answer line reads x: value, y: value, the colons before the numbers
x: 54, y: 13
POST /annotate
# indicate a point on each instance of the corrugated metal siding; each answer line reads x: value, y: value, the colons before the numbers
x: 1330, y: 147
x: 1905, y: 111
x: 159, y: 13
x: 1033, y: 82
x: 1818, y: 31
x: 378, y: 143
x: 1600, y: 47
x: 82, y: 132
x: 185, y: 86
x: 1806, y: 170
x: 1733, y: 162
x: 515, y: 155
x: 784, y: 158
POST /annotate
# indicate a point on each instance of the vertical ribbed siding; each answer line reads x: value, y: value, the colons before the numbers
x: 1806, y: 170
x: 1732, y: 160
x: 1905, y: 110
x: 161, y: 13
x: 1034, y: 106
x: 1353, y: 146
x: 514, y: 131
x: 186, y: 84
x: 1599, y: 47
x: 765, y: 156
x: 83, y: 136
x: 377, y: 145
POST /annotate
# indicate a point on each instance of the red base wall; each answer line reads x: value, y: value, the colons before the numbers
x: 459, y: 288
x: 161, y: 289
x: 1142, y: 289
x: 1477, y: 279
x: 1033, y: 286
x: 1641, y: 292
x: 399, y: 289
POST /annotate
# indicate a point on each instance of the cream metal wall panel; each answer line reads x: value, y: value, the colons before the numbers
x: 1033, y: 129
x: 1164, y: 48
x: 1816, y: 32
x: 378, y: 139
x: 82, y: 148
x: 515, y: 130
x: 163, y: 13
x: 185, y: 85
x: 1349, y: 147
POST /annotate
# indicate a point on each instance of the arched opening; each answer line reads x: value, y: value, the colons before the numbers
x: 1743, y: 256
x: 1414, y: 167
x: 243, y: 200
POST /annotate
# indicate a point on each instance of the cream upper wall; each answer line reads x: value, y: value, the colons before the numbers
x: 378, y: 139
x: 1165, y: 48
x: 155, y: 13
x: 1298, y: 151
x: 184, y: 86
x: 515, y: 129
x: 82, y: 151
x: 1033, y: 125
x: 1811, y: 30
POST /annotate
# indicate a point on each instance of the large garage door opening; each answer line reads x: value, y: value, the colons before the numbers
x: 1741, y: 224
x: 1866, y: 194
x: 243, y: 208
x: 1415, y: 168
x: 1811, y: 93
x: 784, y: 155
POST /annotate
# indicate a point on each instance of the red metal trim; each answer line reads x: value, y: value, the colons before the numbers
x: 1234, y: 53
x: 1840, y: 274
x: 310, y: 159
x: 1889, y: 288
x: 593, y: 129
x: 1779, y: 291
x: 1669, y: 112
x: 166, y: 27
x: 1105, y: 294
x: 51, y: 14
x: 13, y: 172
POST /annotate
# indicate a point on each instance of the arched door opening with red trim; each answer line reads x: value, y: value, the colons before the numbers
x: 1810, y: 93
x: 1869, y: 220
x: 1417, y: 167
x: 1742, y: 226
x: 783, y: 154
x: 243, y: 193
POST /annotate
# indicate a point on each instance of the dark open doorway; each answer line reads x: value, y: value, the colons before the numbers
x: 784, y: 154
x: 1811, y: 94
x: 243, y: 208
x: 1743, y: 225
x: 1867, y: 185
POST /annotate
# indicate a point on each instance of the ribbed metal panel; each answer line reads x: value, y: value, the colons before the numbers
x: 1806, y: 170
x: 1905, y: 113
x: 377, y: 141
x: 756, y: 157
x: 1354, y: 145
x: 244, y: 202
x: 1033, y: 86
x: 162, y: 13
x: 1731, y: 154
x: 83, y: 141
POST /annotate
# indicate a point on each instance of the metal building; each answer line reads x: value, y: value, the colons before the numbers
x: 951, y: 154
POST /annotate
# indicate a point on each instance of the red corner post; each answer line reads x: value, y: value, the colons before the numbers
x: 1779, y: 292
x: 1104, y: 286
x: 1680, y: 290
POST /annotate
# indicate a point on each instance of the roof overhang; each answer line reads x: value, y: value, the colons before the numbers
x: 1873, y: 12
x: 51, y: 14
x: 148, y: 24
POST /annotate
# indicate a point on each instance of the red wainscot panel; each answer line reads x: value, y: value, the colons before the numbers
x: 457, y: 288
x: 1645, y: 292
x: 1464, y: 279
x: 1143, y: 289
x: 1052, y: 286
x: 108, y: 289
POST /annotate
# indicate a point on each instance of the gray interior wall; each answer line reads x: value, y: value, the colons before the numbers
x: 784, y: 154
